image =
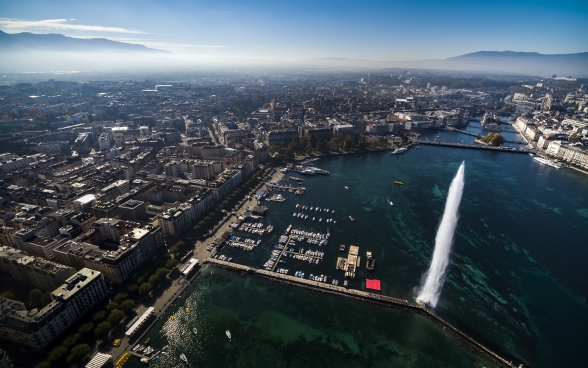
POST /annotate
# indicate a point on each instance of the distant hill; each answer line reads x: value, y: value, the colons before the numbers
x: 509, y: 62
x: 59, y: 43
x: 521, y: 62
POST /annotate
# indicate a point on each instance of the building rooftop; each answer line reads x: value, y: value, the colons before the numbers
x: 75, y: 283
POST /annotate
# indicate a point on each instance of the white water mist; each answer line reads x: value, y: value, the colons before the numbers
x: 435, y: 276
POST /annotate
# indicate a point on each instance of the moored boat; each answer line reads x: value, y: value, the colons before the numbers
x: 195, y: 331
x: 371, y: 262
x: 228, y: 333
x: 184, y: 359
x: 547, y: 162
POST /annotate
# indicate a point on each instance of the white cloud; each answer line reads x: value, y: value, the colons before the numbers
x: 52, y: 25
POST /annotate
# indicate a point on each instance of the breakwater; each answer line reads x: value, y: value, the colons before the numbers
x: 369, y: 297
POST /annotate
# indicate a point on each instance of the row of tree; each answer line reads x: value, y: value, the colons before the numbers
x: 311, y: 144
x: 76, y: 347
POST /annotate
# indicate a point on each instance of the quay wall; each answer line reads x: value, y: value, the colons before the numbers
x: 364, y: 296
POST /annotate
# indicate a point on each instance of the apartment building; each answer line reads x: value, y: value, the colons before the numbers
x: 71, y: 301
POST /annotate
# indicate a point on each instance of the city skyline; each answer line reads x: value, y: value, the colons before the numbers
x: 265, y: 31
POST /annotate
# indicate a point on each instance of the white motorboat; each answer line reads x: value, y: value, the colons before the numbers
x: 228, y: 334
x: 195, y: 331
x: 184, y: 359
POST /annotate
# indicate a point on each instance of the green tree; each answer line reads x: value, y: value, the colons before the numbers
x: 133, y: 288
x: 120, y: 297
x: 111, y: 306
x: 86, y: 330
x: 162, y: 272
x: 170, y: 264
x: 115, y: 317
x: 127, y: 305
x: 145, y: 288
x: 99, y: 317
x: 57, y: 356
x: 78, y: 353
x: 102, y: 330
x: 154, y: 280
x: 70, y: 341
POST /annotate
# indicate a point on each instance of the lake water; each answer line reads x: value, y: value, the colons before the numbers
x: 517, y: 279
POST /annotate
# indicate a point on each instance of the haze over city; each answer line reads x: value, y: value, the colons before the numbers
x: 235, y: 32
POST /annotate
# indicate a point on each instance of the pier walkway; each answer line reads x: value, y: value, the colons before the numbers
x: 475, y: 146
x: 366, y: 296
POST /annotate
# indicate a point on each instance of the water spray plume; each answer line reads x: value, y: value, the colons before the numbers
x: 435, y: 276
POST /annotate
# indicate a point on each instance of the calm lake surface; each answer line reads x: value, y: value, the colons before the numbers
x: 517, y: 279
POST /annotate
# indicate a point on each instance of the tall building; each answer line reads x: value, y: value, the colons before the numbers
x: 71, y: 301
x: 202, y: 170
x: 133, y: 210
x: 172, y: 169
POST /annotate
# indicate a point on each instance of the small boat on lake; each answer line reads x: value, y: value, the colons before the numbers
x: 195, y: 331
x: 398, y: 183
x: 228, y: 333
x: 184, y: 359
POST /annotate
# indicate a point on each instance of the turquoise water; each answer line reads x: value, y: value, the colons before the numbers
x: 516, y: 281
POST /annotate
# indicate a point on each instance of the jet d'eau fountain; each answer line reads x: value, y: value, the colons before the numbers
x: 435, y: 276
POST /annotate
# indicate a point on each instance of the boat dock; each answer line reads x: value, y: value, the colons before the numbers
x: 370, y: 297
x: 475, y: 146
x: 287, y: 244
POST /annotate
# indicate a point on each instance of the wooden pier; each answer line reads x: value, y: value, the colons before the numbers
x: 286, y: 247
x: 365, y: 296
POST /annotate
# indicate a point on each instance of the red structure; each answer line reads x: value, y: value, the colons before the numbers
x: 372, y: 284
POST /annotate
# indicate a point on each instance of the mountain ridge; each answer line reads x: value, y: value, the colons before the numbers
x: 55, y: 42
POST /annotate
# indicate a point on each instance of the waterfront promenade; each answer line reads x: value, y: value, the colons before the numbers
x: 365, y: 296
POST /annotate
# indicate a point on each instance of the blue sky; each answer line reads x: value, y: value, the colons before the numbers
x: 298, y: 30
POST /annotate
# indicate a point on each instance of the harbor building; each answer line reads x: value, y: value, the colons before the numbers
x: 351, y: 263
x: 71, y: 301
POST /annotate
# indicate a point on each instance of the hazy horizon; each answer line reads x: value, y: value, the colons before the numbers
x: 301, y: 30
x: 344, y: 35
